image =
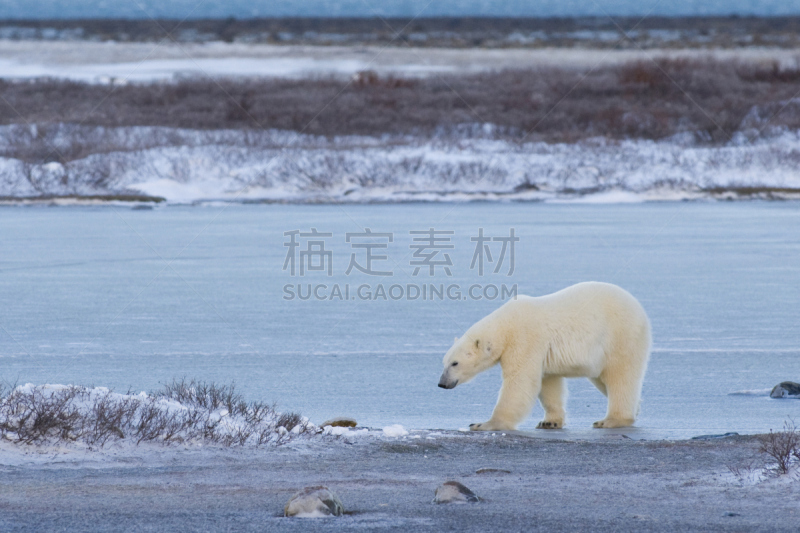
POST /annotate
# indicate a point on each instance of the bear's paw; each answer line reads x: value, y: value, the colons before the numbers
x: 549, y: 424
x: 490, y: 425
x: 608, y: 423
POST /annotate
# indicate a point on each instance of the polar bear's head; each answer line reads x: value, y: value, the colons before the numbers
x: 470, y: 355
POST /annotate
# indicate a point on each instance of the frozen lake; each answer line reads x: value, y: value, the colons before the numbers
x: 119, y: 62
x: 133, y: 298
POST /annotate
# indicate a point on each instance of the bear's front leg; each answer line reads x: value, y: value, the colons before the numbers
x: 552, y: 399
x: 514, y: 404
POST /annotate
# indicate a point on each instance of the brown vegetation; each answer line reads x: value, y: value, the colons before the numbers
x: 650, y: 100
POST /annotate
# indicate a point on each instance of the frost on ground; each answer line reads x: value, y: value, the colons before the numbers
x: 553, y: 485
x: 185, y: 166
x: 181, y: 412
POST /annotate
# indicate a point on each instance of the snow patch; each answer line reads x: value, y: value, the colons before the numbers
x: 395, y: 430
x: 751, y: 392
x: 338, y: 431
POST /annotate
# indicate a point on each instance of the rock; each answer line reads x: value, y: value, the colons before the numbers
x: 492, y: 471
x: 314, y: 502
x: 719, y: 436
x: 454, y: 492
x: 786, y: 390
x: 340, y: 422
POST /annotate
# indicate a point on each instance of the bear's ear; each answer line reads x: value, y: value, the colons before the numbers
x: 455, y: 340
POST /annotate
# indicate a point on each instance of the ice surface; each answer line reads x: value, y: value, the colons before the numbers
x: 168, y: 69
x: 126, y: 62
x: 132, y: 299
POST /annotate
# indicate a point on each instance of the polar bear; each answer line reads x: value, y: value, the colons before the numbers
x: 594, y: 330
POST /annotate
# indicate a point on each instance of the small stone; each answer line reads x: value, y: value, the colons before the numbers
x: 492, y: 471
x: 785, y: 390
x: 340, y: 422
x: 314, y: 502
x: 454, y: 492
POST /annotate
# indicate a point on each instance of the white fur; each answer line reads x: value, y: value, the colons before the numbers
x: 593, y: 330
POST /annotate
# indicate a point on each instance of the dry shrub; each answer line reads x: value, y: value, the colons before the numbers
x: 38, y: 416
x: 773, y: 73
x: 744, y: 471
x: 370, y: 78
x: 782, y: 447
x: 42, y: 417
x: 108, y: 417
x: 649, y: 73
x: 209, y: 396
x: 288, y: 421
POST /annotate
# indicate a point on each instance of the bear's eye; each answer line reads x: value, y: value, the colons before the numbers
x: 455, y: 364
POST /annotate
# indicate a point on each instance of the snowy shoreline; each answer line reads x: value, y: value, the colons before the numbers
x: 197, y: 480
x: 42, y: 422
x: 191, y: 166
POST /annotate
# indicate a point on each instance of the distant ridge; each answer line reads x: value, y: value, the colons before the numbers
x: 460, y: 32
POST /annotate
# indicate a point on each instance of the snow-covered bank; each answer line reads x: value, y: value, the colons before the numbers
x: 39, y: 421
x: 192, y: 413
x: 185, y: 166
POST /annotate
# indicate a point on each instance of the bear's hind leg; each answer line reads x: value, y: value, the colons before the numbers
x: 623, y: 402
x: 624, y: 374
x: 552, y: 398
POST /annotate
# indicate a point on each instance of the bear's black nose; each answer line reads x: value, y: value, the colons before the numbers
x: 442, y: 385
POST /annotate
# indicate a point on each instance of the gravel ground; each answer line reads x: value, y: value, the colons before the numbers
x: 612, y: 483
